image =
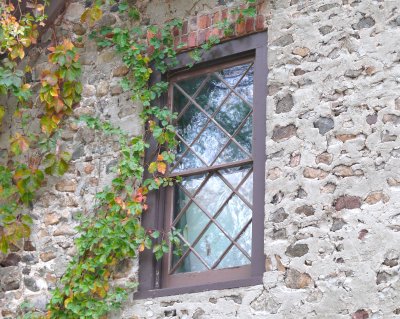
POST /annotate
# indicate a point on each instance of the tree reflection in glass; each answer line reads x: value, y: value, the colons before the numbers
x: 213, y: 210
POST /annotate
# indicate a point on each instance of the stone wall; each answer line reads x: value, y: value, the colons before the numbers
x: 332, y: 240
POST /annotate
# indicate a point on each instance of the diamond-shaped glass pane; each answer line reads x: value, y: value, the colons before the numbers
x: 231, y: 153
x: 180, y: 199
x: 234, y: 216
x: 232, y: 75
x: 232, y: 113
x: 245, y: 87
x: 210, y: 143
x: 212, y: 244
x: 190, y: 123
x: 212, y: 94
x: 192, y: 222
x: 234, y: 258
x: 245, y: 135
x: 213, y: 194
x: 190, y: 264
x: 180, y: 100
x: 235, y: 175
x: 191, y: 183
x: 247, y: 189
x: 245, y: 239
x: 191, y: 85
x: 186, y: 160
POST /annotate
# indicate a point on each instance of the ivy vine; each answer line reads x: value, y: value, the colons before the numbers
x: 113, y: 232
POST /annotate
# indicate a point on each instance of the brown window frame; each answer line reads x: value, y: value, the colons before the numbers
x: 152, y: 280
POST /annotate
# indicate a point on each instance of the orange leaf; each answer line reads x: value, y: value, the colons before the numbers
x: 160, y: 157
x: 161, y: 167
x: 141, y: 247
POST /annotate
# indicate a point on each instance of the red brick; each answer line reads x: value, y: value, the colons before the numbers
x: 185, y: 27
x: 176, y: 42
x: 240, y: 28
x: 193, y: 24
x: 224, y: 14
x: 184, y: 40
x: 216, y: 18
x: 260, y: 23
x: 150, y: 35
x: 249, y: 25
x: 192, y: 39
x: 203, y: 22
x: 213, y: 32
x: 201, y: 37
x: 175, y: 31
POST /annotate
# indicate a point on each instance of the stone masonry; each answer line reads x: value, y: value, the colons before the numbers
x: 332, y: 226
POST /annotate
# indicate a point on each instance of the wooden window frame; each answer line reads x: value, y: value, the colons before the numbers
x: 151, y: 271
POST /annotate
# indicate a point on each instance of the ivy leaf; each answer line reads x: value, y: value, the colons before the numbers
x: 19, y: 144
x: 91, y: 15
x: 2, y: 113
x: 161, y: 167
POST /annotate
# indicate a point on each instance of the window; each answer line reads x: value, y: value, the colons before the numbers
x: 218, y: 208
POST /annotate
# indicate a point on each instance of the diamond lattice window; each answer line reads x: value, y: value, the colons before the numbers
x: 212, y: 207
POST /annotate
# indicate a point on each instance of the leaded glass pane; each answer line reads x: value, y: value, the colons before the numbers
x: 234, y: 216
x: 212, y: 94
x: 212, y: 244
x: 235, y: 175
x: 231, y: 153
x: 247, y: 189
x: 234, y: 258
x: 245, y: 135
x: 190, y: 264
x: 191, y: 85
x: 191, y: 223
x: 187, y: 160
x: 180, y: 199
x: 190, y: 123
x: 245, y: 239
x: 245, y: 87
x: 210, y: 143
x: 232, y: 113
x: 191, y: 183
x: 233, y: 74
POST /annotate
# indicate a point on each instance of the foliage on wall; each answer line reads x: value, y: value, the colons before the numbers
x: 32, y: 154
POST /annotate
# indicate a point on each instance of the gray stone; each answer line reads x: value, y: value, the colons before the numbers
x: 30, y: 283
x: 366, y: 22
x: 347, y: 202
x: 79, y: 29
x: 198, y: 314
x: 283, y: 41
x: 78, y: 152
x: 305, y: 210
x: 294, y: 279
x: 12, y: 259
x: 10, y: 278
x: 324, y: 124
x: 337, y: 224
x: 327, y: 7
x: 325, y: 29
x: 30, y: 259
x: 107, y: 20
x: 278, y: 216
x: 281, y: 133
x: 297, y: 250
x: 284, y: 104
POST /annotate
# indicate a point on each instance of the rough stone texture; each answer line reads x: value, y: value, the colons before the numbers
x: 332, y: 230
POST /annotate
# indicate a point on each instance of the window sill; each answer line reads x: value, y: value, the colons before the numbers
x: 253, y: 281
